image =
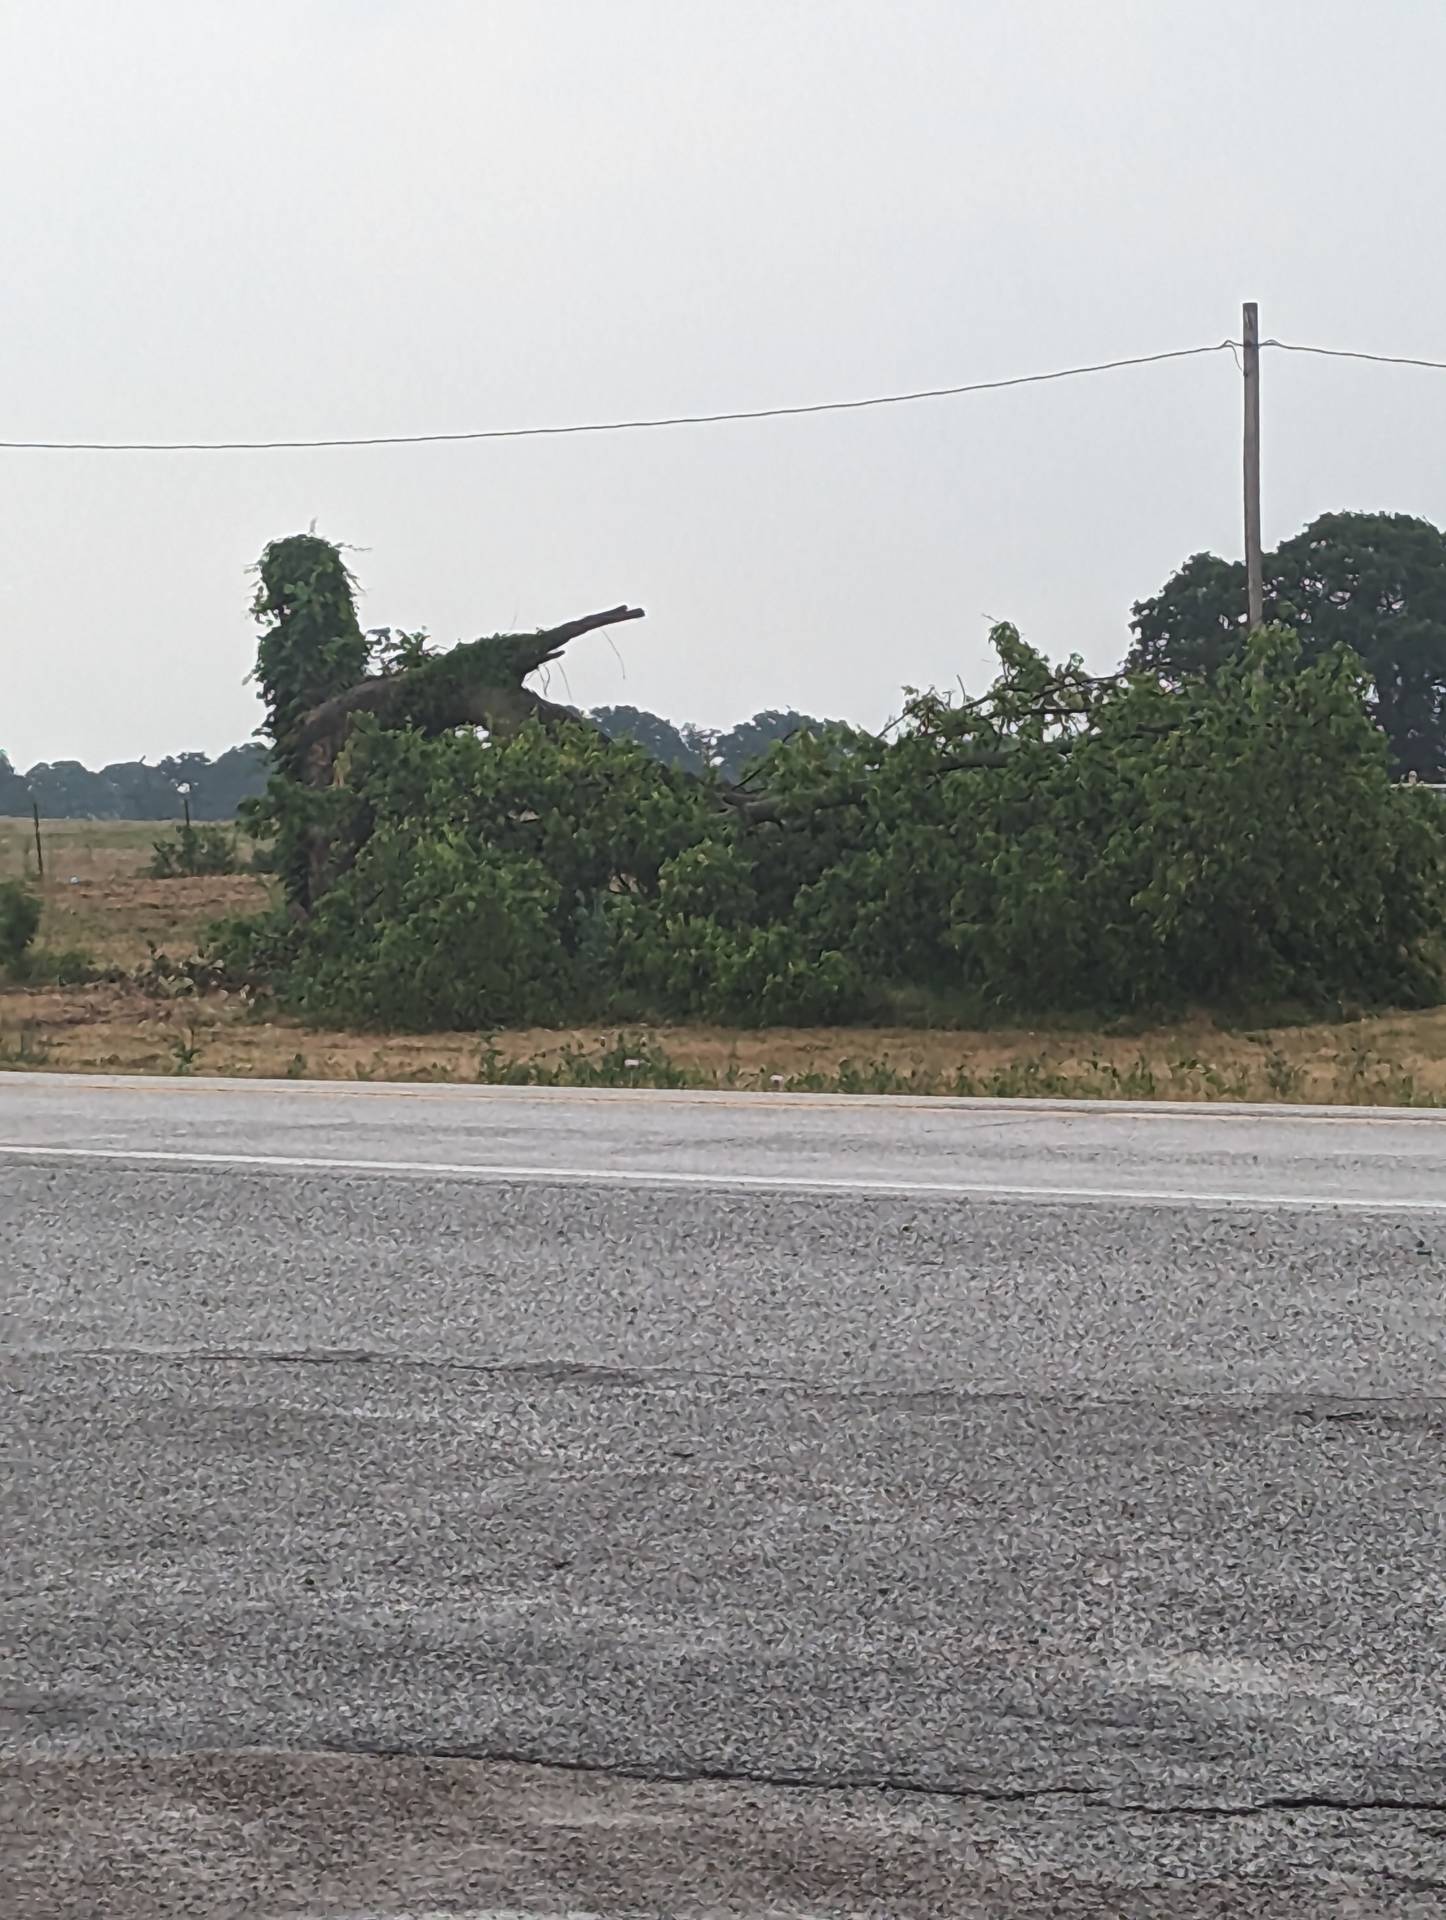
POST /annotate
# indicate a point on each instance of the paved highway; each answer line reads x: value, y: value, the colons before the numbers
x: 436, y: 1499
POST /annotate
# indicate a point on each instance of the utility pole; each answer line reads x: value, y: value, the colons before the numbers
x: 1254, y: 571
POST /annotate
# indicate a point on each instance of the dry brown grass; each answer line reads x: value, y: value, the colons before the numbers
x: 96, y: 896
x: 120, y: 1029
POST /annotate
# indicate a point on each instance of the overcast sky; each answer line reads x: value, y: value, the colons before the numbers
x: 328, y: 217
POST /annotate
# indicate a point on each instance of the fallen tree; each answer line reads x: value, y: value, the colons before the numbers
x: 458, y: 849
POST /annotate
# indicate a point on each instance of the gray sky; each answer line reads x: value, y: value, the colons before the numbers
x: 367, y: 216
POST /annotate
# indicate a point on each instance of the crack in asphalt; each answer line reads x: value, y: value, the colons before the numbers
x: 1414, y: 1409
x: 379, y: 1357
x: 905, y: 1785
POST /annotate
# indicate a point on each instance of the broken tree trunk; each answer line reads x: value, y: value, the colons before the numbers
x: 478, y: 684
x: 481, y: 684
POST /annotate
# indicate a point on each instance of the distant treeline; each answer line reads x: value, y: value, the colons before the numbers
x: 696, y: 749
x: 138, y: 790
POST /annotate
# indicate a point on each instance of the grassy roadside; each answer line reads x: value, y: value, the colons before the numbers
x: 96, y: 896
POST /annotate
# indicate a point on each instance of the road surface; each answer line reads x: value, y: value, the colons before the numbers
x: 487, y: 1501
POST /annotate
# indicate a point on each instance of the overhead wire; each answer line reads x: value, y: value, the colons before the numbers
x: 654, y: 422
x: 1352, y: 353
x: 606, y: 426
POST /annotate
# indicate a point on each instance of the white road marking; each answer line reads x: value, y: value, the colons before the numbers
x: 741, y: 1182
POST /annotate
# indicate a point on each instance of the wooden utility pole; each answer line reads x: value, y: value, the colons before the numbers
x: 39, y: 843
x: 1254, y: 571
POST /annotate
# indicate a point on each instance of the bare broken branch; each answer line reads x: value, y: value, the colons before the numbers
x: 477, y: 684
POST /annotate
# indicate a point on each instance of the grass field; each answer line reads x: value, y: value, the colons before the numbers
x: 97, y: 896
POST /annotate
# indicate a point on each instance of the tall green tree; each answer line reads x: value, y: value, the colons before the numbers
x: 1372, y: 582
x: 311, y: 647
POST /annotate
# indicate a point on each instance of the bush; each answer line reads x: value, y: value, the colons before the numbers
x: 192, y: 851
x: 59, y: 967
x: 19, y: 924
x: 430, y: 932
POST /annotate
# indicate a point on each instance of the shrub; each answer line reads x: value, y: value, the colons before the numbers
x: 19, y: 924
x: 427, y: 931
x: 193, y: 851
x: 58, y: 967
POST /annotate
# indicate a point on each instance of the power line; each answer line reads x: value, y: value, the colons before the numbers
x: 1349, y: 353
x: 700, y: 419
x: 603, y: 426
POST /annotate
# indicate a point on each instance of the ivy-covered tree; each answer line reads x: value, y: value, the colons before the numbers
x: 1373, y: 582
x: 311, y: 648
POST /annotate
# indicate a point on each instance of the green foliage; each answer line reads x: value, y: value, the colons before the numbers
x: 311, y: 643
x: 256, y: 950
x: 1058, y: 844
x: 1234, y: 842
x: 57, y: 967
x: 734, y: 752
x: 425, y: 930
x: 193, y: 850
x: 19, y: 924
x: 185, y: 1052
x: 311, y: 647
x: 483, y: 887
x: 1372, y: 582
x: 392, y: 651
x: 26, y: 964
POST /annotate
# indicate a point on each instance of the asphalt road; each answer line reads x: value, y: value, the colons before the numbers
x: 422, y: 1500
